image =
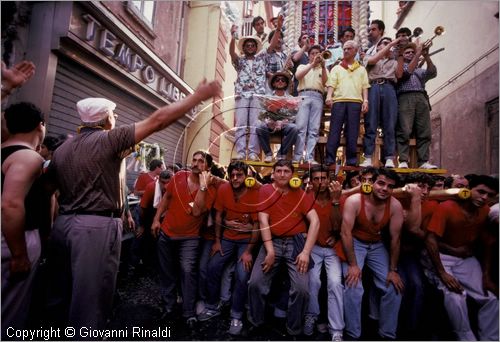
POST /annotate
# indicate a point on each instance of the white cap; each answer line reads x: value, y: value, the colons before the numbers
x: 94, y: 109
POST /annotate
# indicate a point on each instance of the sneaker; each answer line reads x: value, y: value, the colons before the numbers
x: 191, y: 322
x: 337, y: 336
x: 367, y: 162
x: 403, y: 165
x: 280, y: 157
x: 253, y: 157
x: 200, y: 307
x: 235, y: 327
x: 268, y: 159
x: 389, y: 163
x: 240, y: 156
x: 427, y: 166
x: 208, y: 314
x: 312, y: 162
x: 309, y: 325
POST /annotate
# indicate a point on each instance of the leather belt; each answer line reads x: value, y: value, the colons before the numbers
x: 316, y: 90
x: 382, y: 81
x: 105, y: 213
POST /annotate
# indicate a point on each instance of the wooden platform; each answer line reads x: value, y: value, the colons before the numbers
x: 333, y: 167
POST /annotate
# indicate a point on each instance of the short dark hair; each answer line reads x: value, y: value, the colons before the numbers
x: 51, y: 143
x: 404, y: 30
x: 256, y: 19
x: 153, y: 164
x: 419, y: 177
x: 316, y: 46
x: 237, y: 165
x: 284, y: 162
x: 347, y: 29
x: 166, y: 174
x: 318, y: 168
x: 388, y: 173
x: 23, y: 117
x: 271, y: 34
x: 380, y: 24
x: 485, y: 180
x: 369, y: 169
x: 301, y: 36
x: 207, y: 156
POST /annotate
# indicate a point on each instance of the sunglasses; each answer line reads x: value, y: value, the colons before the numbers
x: 280, y: 79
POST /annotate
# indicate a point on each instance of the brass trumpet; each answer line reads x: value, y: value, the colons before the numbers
x: 438, y: 31
x: 326, y: 54
x: 417, y: 32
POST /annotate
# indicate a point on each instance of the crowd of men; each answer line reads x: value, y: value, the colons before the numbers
x: 220, y: 236
x: 384, y: 86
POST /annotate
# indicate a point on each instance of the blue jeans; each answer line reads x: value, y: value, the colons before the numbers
x: 377, y: 259
x: 335, y: 288
x: 232, y: 249
x: 308, y: 120
x: 413, y: 277
x: 182, y: 253
x: 260, y: 284
x: 288, y: 137
x: 383, y: 109
x: 246, y: 115
x: 348, y: 113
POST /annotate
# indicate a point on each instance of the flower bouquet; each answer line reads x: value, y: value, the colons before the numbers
x: 278, y: 108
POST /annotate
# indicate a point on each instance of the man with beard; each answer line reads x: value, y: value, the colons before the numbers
x: 363, y: 218
x: 283, y: 211
x: 188, y: 197
x: 453, y: 232
x: 236, y: 215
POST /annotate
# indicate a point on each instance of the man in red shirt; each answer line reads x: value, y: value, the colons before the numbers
x: 155, y: 167
x: 454, y: 229
x: 188, y: 197
x: 327, y: 205
x: 236, y: 207
x: 283, y: 211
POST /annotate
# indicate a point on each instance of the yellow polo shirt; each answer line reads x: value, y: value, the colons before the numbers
x: 348, y: 85
x: 312, y: 80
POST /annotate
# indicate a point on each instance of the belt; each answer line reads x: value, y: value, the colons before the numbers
x: 105, y: 213
x: 316, y: 90
x: 381, y: 81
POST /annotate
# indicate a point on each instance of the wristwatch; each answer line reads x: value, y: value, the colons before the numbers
x: 203, y: 188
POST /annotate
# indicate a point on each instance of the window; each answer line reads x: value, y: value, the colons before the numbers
x: 144, y: 9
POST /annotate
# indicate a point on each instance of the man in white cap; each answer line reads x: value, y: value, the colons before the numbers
x: 86, y: 236
x: 251, y: 80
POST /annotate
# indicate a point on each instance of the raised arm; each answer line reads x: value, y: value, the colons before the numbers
x: 165, y: 116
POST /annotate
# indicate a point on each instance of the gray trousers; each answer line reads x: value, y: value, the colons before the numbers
x: 260, y: 284
x: 414, y: 115
x: 16, y: 293
x: 83, y: 262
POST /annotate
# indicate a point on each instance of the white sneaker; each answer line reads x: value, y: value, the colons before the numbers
x: 427, y: 166
x: 280, y: 157
x: 253, y: 157
x: 235, y: 327
x: 389, y: 163
x: 240, y: 156
x: 367, y: 162
x: 403, y: 165
x: 268, y: 159
x: 337, y: 336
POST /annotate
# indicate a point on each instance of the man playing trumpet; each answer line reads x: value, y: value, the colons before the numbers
x: 312, y: 78
x: 413, y: 104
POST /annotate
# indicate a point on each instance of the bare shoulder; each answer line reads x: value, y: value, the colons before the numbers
x: 24, y: 158
x: 396, y: 204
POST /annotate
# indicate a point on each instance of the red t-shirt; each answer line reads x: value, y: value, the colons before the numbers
x: 325, y: 224
x: 142, y: 181
x: 245, y: 210
x: 286, y: 211
x: 178, y: 222
x: 454, y: 227
x: 148, y: 196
